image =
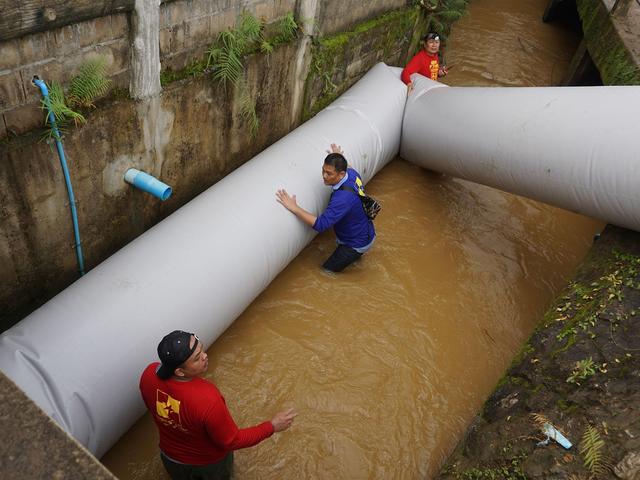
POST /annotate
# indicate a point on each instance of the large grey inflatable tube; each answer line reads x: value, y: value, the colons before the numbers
x: 574, y: 147
x: 79, y: 356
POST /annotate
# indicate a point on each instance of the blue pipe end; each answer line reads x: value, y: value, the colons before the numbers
x: 148, y: 183
x: 41, y: 85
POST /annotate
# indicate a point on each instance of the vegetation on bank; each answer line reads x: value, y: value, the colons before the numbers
x: 579, y: 371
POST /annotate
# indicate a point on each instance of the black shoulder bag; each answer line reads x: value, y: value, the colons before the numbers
x: 371, y: 206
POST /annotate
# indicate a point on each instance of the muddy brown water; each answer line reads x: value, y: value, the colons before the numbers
x: 388, y: 362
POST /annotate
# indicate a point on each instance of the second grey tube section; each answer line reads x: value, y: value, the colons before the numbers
x: 577, y: 148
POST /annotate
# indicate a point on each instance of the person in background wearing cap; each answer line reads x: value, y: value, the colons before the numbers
x: 426, y: 62
x: 197, y: 433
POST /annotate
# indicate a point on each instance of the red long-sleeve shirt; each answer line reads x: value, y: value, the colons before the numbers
x: 195, y: 425
x: 422, y: 63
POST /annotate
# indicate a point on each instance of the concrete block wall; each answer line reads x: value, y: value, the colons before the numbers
x: 56, y: 55
x: 338, y: 15
x: 188, y: 27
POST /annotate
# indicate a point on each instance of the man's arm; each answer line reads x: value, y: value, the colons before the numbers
x: 412, y: 67
x: 339, y: 205
x: 223, y: 430
x: 289, y: 202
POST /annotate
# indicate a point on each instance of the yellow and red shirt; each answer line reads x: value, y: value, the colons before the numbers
x: 424, y: 64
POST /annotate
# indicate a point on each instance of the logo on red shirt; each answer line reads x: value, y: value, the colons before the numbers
x: 433, y: 68
x: 168, y: 410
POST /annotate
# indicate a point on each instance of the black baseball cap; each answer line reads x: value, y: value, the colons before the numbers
x: 173, y: 351
x: 431, y: 36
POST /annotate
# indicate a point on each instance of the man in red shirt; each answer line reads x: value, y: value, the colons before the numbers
x: 426, y: 62
x: 197, y: 433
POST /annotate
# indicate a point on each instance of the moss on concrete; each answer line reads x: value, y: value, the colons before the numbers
x: 381, y: 37
x: 607, y: 49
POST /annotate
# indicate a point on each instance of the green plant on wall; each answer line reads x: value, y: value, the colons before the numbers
x: 583, y: 370
x: 90, y: 83
x: 247, y: 106
x: 442, y: 13
x: 225, y: 56
x: 60, y: 107
x: 286, y: 30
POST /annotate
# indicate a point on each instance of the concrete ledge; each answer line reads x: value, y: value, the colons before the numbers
x: 34, y: 447
x: 612, y: 39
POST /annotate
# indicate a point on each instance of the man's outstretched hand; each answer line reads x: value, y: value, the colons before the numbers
x: 288, y: 201
x: 283, y: 420
x: 335, y: 148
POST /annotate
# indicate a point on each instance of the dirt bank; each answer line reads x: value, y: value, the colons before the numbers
x: 580, y: 371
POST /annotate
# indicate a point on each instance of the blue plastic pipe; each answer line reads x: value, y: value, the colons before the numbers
x: 148, y: 183
x: 63, y: 162
x: 554, y: 434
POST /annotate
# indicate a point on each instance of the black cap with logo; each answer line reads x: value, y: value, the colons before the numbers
x: 173, y: 351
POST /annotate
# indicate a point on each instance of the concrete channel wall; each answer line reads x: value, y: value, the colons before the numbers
x: 190, y: 134
x: 612, y: 37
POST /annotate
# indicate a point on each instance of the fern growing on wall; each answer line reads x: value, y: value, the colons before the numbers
x: 84, y: 88
x: 247, y: 106
x: 89, y: 84
x: 60, y: 108
x: 225, y: 57
x: 287, y: 29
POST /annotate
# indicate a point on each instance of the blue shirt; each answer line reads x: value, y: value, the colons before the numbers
x: 346, y: 215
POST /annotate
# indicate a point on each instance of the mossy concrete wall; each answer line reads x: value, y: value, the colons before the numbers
x: 187, y: 28
x: 190, y: 136
x: 336, y: 16
x: 339, y: 60
x: 613, y: 39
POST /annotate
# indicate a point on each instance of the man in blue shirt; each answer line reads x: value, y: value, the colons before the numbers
x: 345, y: 213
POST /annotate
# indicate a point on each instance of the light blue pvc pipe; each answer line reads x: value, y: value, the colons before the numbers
x: 553, y: 433
x: 63, y: 162
x: 148, y: 183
